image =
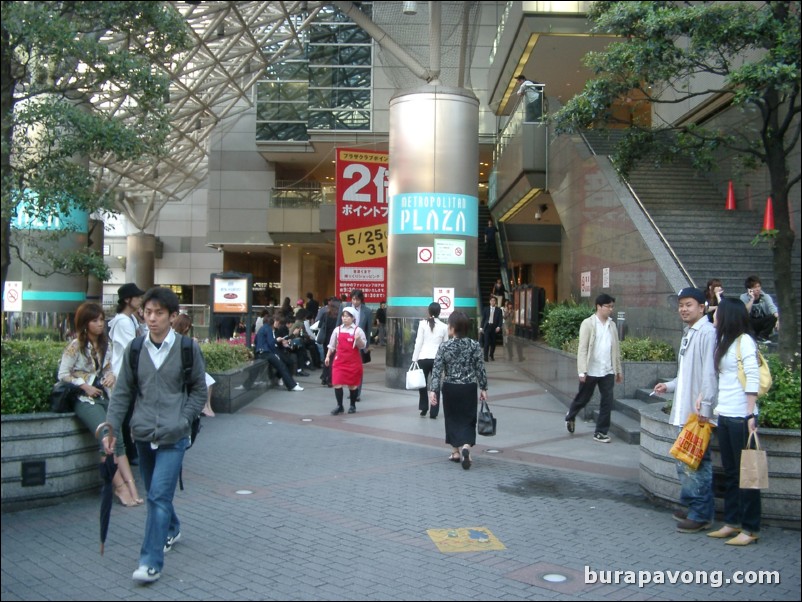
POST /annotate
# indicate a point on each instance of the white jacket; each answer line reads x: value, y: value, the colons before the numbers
x: 428, y: 341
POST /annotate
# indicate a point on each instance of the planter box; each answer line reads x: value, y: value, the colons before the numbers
x: 228, y: 392
x: 658, y: 476
x: 57, y: 449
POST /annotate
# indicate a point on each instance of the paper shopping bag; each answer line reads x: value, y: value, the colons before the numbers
x: 754, y: 466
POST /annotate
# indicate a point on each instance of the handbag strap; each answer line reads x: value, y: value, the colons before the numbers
x: 414, y: 366
x: 749, y: 441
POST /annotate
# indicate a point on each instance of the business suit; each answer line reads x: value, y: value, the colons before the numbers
x: 491, y: 325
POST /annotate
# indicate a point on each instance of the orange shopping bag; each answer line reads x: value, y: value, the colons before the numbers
x: 692, y: 442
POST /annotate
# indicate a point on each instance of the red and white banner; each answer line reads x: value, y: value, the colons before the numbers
x: 362, y: 214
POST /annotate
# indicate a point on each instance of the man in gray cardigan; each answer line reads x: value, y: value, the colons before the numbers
x: 165, y: 407
x: 598, y: 361
x: 695, y: 390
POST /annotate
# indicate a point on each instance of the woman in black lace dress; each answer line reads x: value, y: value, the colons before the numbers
x: 458, y: 370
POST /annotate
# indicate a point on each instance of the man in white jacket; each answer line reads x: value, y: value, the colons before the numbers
x: 695, y: 390
x: 598, y: 361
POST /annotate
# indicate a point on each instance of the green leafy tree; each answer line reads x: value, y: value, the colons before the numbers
x: 751, y: 53
x: 79, y: 80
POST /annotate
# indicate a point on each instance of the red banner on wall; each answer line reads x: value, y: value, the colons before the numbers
x: 362, y: 213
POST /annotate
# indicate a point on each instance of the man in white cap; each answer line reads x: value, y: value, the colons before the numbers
x: 695, y: 390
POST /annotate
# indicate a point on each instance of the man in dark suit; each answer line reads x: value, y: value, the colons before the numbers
x: 490, y: 326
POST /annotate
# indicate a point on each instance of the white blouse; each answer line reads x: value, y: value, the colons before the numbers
x: 731, y: 395
x: 428, y: 341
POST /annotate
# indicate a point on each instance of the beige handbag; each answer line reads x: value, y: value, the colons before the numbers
x: 754, y: 466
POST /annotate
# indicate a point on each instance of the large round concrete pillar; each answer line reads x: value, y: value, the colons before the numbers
x: 434, y: 207
x: 140, y: 266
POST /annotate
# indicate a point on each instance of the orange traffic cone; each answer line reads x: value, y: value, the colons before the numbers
x: 730, y: 198
x: 768, y: 216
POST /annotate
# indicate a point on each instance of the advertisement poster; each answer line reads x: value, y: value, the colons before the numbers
x: 230, y: 295
x: 362, y: 214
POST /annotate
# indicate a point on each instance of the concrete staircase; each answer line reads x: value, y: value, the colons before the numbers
x: 625, y: 417
x: 709, y: 241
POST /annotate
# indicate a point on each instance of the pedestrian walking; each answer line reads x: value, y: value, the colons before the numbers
x: 458, y: 371
x: 345, y: 359
x: 431, y: 334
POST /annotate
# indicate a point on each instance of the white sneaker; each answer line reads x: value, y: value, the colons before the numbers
x: 145, y: 574
x: 171, y: 541
x: 297, y: 388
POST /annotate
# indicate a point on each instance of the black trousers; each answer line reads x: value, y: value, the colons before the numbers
x: 423, y: 402
x: 606, y: 384
x: 763, y: 326
x: 489, y: 343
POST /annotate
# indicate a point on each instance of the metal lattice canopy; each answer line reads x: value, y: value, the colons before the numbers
x: 234, y: 42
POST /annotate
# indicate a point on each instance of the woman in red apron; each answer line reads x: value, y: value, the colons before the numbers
x: 346, y: 369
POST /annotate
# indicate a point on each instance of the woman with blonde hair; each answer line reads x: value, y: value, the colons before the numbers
x: 86, y: 363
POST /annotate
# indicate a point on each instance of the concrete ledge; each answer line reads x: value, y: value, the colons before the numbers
x: 227, y: 398
x: 658, y: 475
x: 69, y: 452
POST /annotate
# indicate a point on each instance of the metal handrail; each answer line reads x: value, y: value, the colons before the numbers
x: 645, y: 212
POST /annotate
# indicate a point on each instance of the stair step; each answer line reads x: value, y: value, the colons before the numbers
x: 623, y: 427
x: 632, y: 407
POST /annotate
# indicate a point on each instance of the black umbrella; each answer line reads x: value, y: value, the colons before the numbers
x: 107, y: 470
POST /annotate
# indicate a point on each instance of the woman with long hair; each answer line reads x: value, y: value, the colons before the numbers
x: 86, y: 362
x: 713, y: 293
x: 346, y: 365
x: 431, y: 334
x: 736, y: 419
x: 458, y: 369
x: 182, y: 325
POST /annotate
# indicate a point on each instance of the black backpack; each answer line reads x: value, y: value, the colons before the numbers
x: 186, y: 363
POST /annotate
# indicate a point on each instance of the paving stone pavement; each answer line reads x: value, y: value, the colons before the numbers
x: 338, y: 508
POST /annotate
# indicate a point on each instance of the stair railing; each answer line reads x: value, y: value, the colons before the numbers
x: 646, y: 214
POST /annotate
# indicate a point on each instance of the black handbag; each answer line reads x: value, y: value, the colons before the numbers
x: 486, y: 424
x: 63, y: 397
x: 366, y: 356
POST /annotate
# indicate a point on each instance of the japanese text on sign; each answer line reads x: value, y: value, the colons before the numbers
x: 362, y: 212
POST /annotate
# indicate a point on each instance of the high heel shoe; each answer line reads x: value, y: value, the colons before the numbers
x: 120, y: 497
x: 138, y: 501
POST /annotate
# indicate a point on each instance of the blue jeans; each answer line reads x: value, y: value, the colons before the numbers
x: 741, y: 506
x: 697, y: 488
x: 160, y: 469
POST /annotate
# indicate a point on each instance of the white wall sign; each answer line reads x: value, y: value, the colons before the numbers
x: 605, y: 277
x: 445, y: 297
x: 449, y: 250
x: 584, y: 284
x: 12, y: 295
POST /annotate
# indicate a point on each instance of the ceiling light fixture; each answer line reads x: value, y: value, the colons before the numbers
x: 540, y: 211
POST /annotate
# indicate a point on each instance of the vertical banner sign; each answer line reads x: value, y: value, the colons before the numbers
x: 584, y: 284
x: 362, y: 213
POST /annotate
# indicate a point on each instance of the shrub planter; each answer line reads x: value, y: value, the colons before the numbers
x: 45, y: 458
x: 228, y: 392
x: 658, y: 476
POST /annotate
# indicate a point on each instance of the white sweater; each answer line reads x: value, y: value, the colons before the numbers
x: 428, y: 341
x: 731, y: 396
